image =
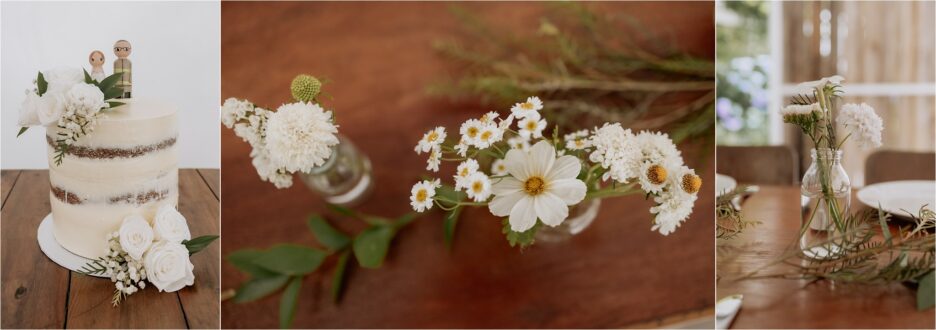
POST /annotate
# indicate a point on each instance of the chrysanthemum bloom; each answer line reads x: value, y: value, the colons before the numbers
x: 470, y: 130
x: 431, y: 139
x: 531, y: 127
x: 422, y: 194
x: 478, y: 187
x: 652, y: 177
x: 675, y: 203
x: 300, y: 136
x: 539, y: 186
x: 464, y: 170
x: 527, y: 109
x: 865, y: 125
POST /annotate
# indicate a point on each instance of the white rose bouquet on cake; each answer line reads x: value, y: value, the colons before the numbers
x: 534, y: 180
x: 297, y: 137
x: 67, y: 99
x: 157, y: 253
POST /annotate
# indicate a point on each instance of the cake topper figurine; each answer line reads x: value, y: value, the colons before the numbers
x: 97, y: 65
x: 123, y: 65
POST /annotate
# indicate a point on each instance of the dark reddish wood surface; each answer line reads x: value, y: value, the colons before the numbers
x: 37, y: 293
x: 784, y: 303
x: 378, y: 59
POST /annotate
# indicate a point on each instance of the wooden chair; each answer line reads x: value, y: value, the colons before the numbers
x: 776, y: 165
x: 890, y: 165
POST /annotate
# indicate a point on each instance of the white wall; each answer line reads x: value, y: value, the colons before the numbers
x: 176, y: 57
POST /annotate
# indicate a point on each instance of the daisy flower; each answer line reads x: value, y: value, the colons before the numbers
x: 430, y: 140
x: 300, y: 136
x: 489, y: 117
x: 531, y: 127
x: 465, y: 169
x: 490, y: 134
x: 435, y: 158
x: 461, y: 148
x: 470, y: 130
x: 530, y: 108
x: 422, y: 193
x: 539, y: 186
x: 478, y: 187
x: 675, y: 203
x: 865, y: 125
x: 652, y: 177
x: 499, y: 167
x: 519, y: 142
x: 577, y: 140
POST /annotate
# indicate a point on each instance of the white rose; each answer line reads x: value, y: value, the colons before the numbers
x: 86, y: 97
x: 136, y: 236
x: 62, y: 79
x: 29, y: 112
x: 168, y: 267
x: 170, y: 225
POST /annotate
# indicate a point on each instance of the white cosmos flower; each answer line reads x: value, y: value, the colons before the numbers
x: 519, y: 142
x: 577, y: 140
x: 653, y: 177
x: 422, y: 194
x: 478, y: 187
x: 531, y: 127
x: 300, y: 136
x: 435, y: 158
x: 657, y: 148
x: 168, y: 266
x: 431, y: 139
x: 470, y: 130
x: 498, y: 167
x: 170, y: 225
x: 136, y: 236
x: 464, y: 170
x: 527, y: 109
x: 865, y: 125
x: 539, y: 186
x: 617, y: 151
x: 490, y: 134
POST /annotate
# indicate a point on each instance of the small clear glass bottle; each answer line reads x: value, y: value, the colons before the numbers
x: 580, y: 217
x: 344, y: 179
x: 826, y: 192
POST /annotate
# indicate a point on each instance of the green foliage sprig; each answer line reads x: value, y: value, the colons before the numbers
x: 286, y: 265
x: 108, y: 87
x: 729, y: 222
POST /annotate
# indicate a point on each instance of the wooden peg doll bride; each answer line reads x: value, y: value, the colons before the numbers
x: 97, y: 65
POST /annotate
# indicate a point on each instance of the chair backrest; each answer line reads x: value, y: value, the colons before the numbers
x: 759, y: 164
x: 889, y: 165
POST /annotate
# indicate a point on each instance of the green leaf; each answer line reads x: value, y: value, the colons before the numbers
x: 198, y: 243
x: 22, y: 130
x: 109, y: 82
x: 882, y: 218
x: 114, y: 104
x: 404, y: 220
x: 259, y: 287
x: 326, y: 234
x: 449, y: 193
x: 41, y: 84
x: 451, y: 220
x: 87, y: 78
x: 288, y: 302
x: 342, y: 210
x: 523, y: 239
x: 244, y: 261
x: 370, y: 246
x: 290, y: 259
x: 113, y: 93
x: 926, y: 291
x: 338, y: 277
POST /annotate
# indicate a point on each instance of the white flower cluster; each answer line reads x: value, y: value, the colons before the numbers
x: 865, y: 125
x: 68, y: 102
x: 297, y: 137
x: 139, y: 252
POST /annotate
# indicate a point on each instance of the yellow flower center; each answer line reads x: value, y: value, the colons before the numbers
x: 472, y: 131
x: 534, y: 185
x: 579, y: 143
x: 656, y: 174
x: 531, y: 125
x: 477, y: 186
x: 484, y: 118
x: 691, y: 183
x: 464, y: 172
x: 527, y: 106
x: 486, y: 135
x: 432, y: 136
x: 501, y: 168
x: 421, y: 195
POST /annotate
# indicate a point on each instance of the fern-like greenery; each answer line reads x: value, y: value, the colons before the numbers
x: 93, y: 267
x: 729, y: 222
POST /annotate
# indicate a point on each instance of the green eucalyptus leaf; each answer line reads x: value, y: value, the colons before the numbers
x: 22, y: 130
x: 451, y: 220
x: 41, y: 84
x: 113, y: 93
x: 328, y: 235
x: 288, y: 302
x: 290, y: 259
x: 339, y: 276
x: 198, y: 243
x: 244, y: 261
x: 259, y: 287
x: 109, y: 82
x: 926, y: 291
x: 370, y: 246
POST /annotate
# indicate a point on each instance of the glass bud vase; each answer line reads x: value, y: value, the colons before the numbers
x: 344, y: 179
x: 580, y: 217
x: 826, y: 193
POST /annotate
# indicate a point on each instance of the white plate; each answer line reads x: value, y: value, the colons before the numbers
x: 55, y: 251
x: 724, y: 184
x: 899, y: 197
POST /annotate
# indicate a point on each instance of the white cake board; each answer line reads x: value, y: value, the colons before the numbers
x: 55, y: 251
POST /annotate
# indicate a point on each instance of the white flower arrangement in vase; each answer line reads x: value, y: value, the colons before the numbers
x: 299, y: 137
x: 534, y: 181
x: 68, y: 98
x: 139, y: 252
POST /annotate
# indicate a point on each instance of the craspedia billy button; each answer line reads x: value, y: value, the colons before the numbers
x: 305, y: 87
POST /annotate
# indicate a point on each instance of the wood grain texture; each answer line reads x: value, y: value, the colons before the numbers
x: 7, y: 180
x: 213, y: 178
x: 37, y: 293
x: 378, y: 59
x: 782, y: 303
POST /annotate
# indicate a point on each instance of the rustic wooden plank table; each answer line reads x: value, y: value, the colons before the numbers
x: 784, y: 303
x: 379, y: 60
x: 37, y: 293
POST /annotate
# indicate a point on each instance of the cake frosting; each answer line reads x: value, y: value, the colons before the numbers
x: 127, y: 165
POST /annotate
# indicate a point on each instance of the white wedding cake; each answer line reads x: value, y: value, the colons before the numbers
x: 126, y: 166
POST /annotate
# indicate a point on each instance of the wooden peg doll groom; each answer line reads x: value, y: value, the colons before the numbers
x: 122, y: 64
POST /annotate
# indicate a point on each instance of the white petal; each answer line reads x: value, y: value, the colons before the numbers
x: 523, y: 215
x: 501, y: 205
x: 542, y: 156
x: 571, y: 191
x: 515, y: 161
x: 506, y: 185
x: 566, y: 167
x: 550, y: 209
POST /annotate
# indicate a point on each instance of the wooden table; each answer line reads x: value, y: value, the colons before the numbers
x: 378, y: 59
x: 37, y: 293
x: 784, y: 303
